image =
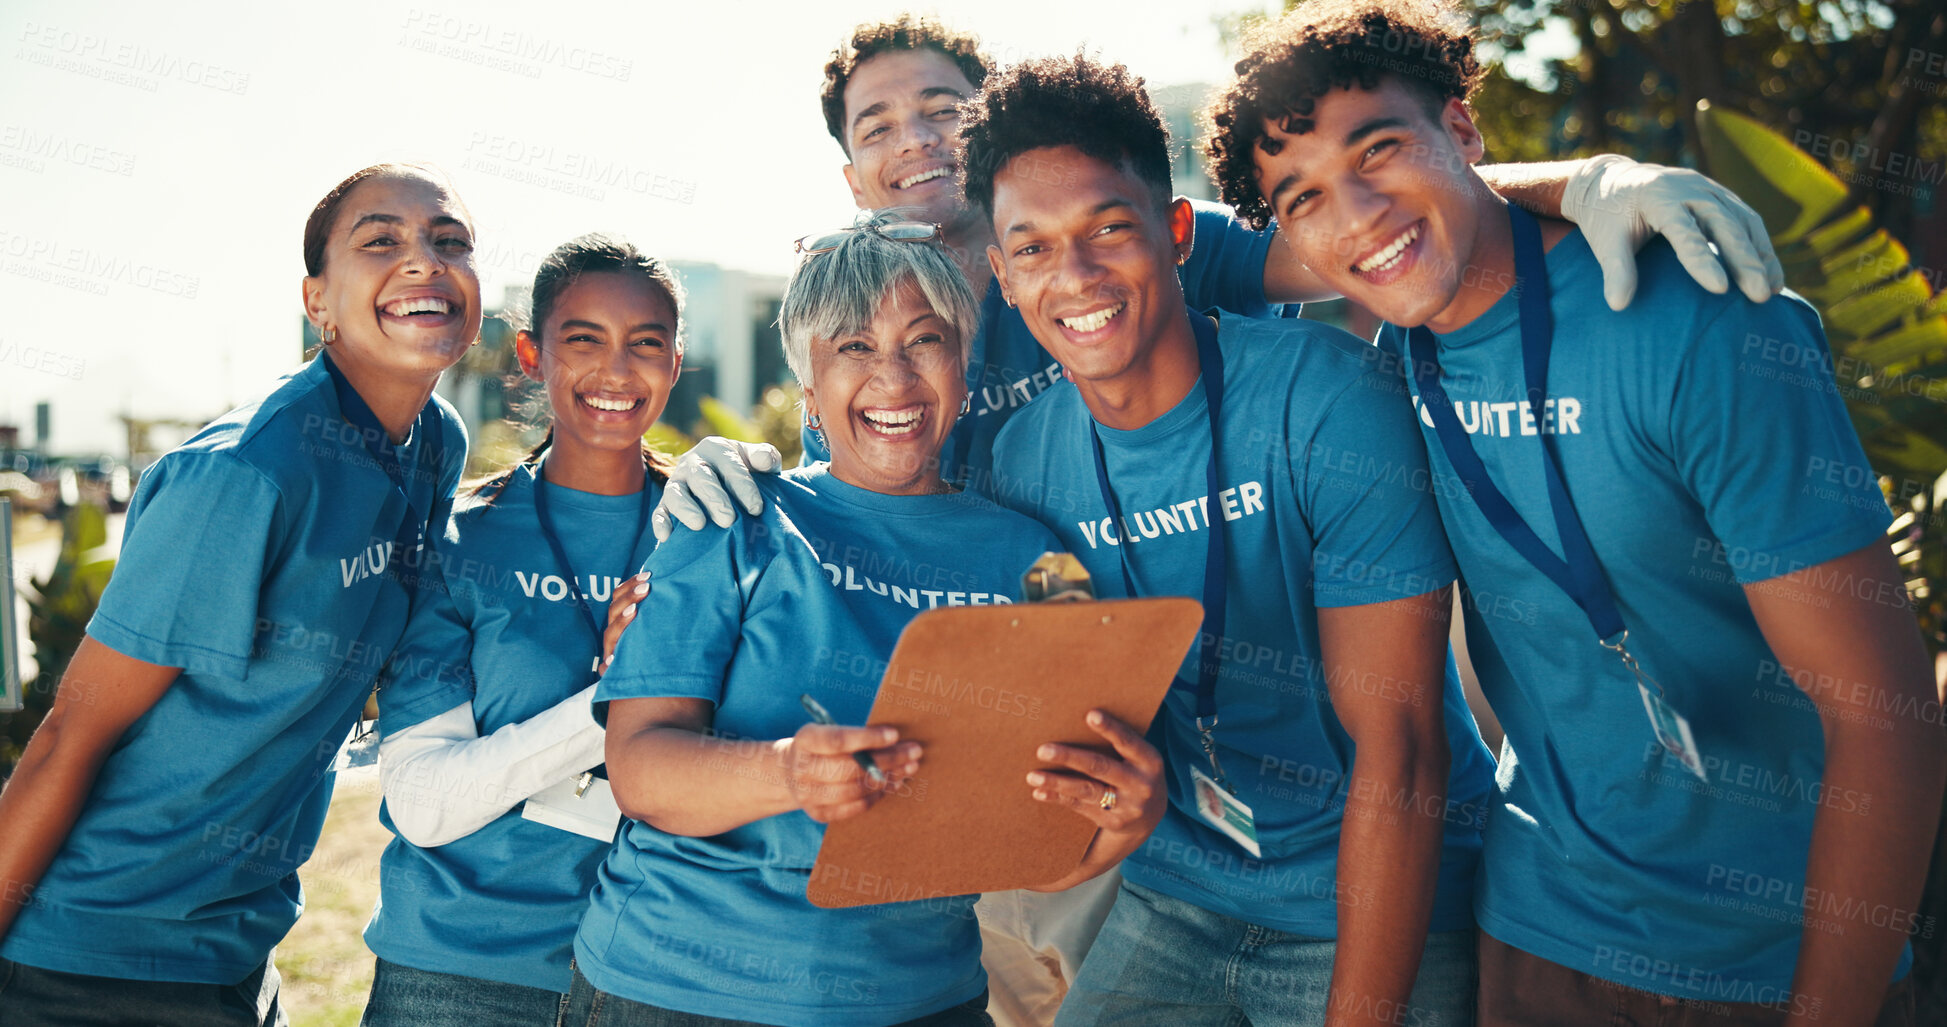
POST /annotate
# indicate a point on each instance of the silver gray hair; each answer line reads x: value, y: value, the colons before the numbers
x: 839, y: 292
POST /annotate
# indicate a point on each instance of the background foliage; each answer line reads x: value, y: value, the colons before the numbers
x: 1856, y: 85
x: 60, y: 605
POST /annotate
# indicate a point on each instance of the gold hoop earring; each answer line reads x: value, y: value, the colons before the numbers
x: 814, y: 422
x: 327, y: 336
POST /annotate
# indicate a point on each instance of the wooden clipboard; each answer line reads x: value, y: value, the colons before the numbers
x: 982, y: 688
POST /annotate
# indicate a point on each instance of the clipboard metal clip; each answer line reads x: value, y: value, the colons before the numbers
x: 1057, y: 578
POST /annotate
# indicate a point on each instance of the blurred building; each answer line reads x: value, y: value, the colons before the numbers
x: 732, y: 347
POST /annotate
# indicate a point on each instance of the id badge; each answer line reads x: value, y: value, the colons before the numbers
x: 361, y: 749
x: 593, y: 813
x: 1673, y: 732
x: 1223, y: 811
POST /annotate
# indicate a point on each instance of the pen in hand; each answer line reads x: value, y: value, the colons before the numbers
x: 819, y: 715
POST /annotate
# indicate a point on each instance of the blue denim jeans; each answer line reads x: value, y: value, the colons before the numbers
x: 589, y: 1007
x: 1165, y: 962
x: 33, y: 997
x: 403, y: 996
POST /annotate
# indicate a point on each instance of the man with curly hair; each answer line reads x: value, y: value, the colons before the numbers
x: 889, y: 100
x: 1325, y: 777
x: 1721, y: 779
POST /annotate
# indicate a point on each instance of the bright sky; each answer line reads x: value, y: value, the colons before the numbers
x: 157, y: 161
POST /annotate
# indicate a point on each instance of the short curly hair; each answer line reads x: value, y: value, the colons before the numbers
x: 1100, y: 109
x: 1320, y: 46
x: 906, y: 32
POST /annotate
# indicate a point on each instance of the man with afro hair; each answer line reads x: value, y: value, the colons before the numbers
x: 1719, y: 787
x: 1316, y: 860
x: 889, y: 99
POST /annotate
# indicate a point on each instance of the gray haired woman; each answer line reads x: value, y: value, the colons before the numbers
x: 699, y: 915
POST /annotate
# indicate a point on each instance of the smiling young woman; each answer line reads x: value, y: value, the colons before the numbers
x: 485, y: 712
x: 157, y: 819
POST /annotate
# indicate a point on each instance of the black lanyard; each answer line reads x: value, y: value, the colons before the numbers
x: 1576, y: 571
x: 1215, y: 577
x: 992, y: 310
x: 595, y: 622
x: 414, y: 531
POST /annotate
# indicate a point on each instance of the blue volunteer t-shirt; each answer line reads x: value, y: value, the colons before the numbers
x: 807, y: 597
x: 504, y: 633
x: 255, y: 559
x: 1007, y: 367
x: 1324, y: 495
x: 1705, y: 446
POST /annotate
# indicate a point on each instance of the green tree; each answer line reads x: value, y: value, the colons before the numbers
x: 1859, y: 81
x: 60, y: 606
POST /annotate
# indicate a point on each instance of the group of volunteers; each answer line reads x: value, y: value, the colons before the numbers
x: 1716, y: 797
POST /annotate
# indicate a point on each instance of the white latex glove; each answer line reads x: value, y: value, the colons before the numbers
x: 1620, y: 205
x: 706, y: 477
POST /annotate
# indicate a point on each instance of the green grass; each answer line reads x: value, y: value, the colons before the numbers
x: 326, y: 967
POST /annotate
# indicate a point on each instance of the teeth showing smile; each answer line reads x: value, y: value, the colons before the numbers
x: 894, y: 422
x: 418, y: 305
x: 925, y: 176
x: 1091, y: 322
x: 615, y: 405
x: 1389, y: 254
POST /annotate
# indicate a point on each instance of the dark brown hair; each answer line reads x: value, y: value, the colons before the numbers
x: 1320, y: 46
x: 593, y: 253
x: 906, y: 32
x: 324, y: 216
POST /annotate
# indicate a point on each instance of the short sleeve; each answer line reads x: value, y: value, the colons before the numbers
x: 1760, y: 436
x: 198, y: 542
x: 1363, y: 477
x: 1226, y: 265
x: 686, y: 630
x: 430, y: 670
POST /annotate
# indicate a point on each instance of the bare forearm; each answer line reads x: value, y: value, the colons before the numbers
x: 1533, y: 187
x: 689, y: 783
x: 1879, y: 798
x: 1389, y: 866
x: 101, y: 694
x: 1866, y: 868
x: 41, y: 802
